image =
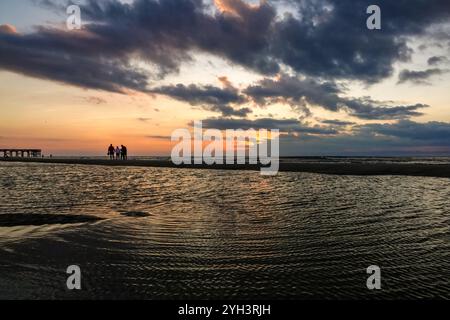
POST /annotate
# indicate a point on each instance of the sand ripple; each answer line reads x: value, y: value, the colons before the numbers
x: 171, y: 233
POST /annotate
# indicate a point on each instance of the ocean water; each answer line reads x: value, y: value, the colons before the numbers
x: 165, y: 233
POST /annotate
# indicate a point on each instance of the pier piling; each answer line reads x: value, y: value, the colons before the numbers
x: 20, y: 153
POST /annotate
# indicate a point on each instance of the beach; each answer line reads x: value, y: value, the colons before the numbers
x: 360, y: 168
x: 140, y: 232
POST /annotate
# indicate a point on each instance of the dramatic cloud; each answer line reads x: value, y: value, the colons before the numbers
x: 436, y: 132
x: 329, y: 38
x: 337, y: 122
x: 368, y: 109
x: 303, y: 93
x: 324, y: 38
x: 209, y: 97
x: 300, y: 94
x: 295, y: 92
x: 130, y: 46
x: 197, y: 95
x: 162, y: 33
x: 285, y: 125
x: 419, y: 77
x: 48, y: 54
x: 401, y: 138
x: 436, y: 60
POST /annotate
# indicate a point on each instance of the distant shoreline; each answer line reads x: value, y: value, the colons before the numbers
x: 359, y: 169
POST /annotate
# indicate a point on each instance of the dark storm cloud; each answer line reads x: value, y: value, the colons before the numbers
x: 435, y: 60
x: 301, y: 93
x: 357, y: 144
x: 172, y: 27
x: 197, y: 95
x: 436, y: 132
x: 47, y: 54
x: 419, y: 77
x: 263, y: 123
x: 161, y: 33
x: 209, y: 97
x: 337, y: 122
x: 294, y: 91
x: 285, y: 125
x: 404, y: 137
x: 228, y: 111
x: 165, y: 32
x: 330, y: 38
x: 318, y: 43
x: 368, y: 109
x: 401, y: 137
x: 326, y: 38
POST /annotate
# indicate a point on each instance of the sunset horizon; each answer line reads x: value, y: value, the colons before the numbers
x: 353, y: 98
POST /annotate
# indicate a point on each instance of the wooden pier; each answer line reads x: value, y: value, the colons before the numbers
x: 21, y: 153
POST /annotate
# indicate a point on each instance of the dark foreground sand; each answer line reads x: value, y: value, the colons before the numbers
x: 19, y: 219
x: 363, y: 169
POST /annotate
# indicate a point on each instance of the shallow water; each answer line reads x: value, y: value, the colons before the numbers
x: 180, y: 233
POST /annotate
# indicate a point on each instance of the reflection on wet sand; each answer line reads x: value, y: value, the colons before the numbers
x: 170, y: 233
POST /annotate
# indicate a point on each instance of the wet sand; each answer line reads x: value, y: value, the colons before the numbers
x: 362, y: 169
x: 18, y: 219
x: 213, y: 234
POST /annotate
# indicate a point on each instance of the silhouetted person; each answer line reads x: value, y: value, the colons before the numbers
x: 118, y: 152
x: 124, y: 152
x: 111, y: 152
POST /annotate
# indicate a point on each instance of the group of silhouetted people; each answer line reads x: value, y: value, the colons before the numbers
x: 117, y: 153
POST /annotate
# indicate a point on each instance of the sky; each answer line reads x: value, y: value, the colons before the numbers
x: 138, y: 70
